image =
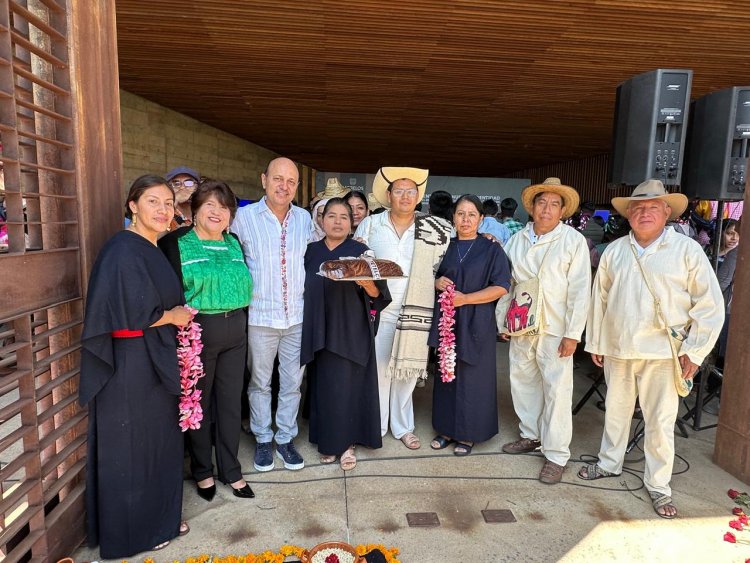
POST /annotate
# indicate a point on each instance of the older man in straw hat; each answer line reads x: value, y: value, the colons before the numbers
x: 652, y: 286
x: 541, y: 365
x: 416, y: 243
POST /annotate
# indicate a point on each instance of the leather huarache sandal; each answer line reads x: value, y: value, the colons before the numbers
x: 411, y: 441
x: 660, y: 501
x: 348, y: 461
x: 592, y: 471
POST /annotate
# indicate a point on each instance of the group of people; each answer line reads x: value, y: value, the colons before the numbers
x: 251, y: 273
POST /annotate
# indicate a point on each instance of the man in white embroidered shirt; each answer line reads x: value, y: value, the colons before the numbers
x: 415, y: 243
x: 541, y: 365
x: 650, y: 284
x: 274, y: 236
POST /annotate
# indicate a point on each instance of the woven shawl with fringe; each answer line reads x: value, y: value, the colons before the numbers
x: 409, y: 352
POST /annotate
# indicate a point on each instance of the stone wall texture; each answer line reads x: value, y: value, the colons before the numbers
x: 156, y: 139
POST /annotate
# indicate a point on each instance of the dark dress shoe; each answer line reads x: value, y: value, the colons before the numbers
x: 207, y: 493
x: 244, y: 492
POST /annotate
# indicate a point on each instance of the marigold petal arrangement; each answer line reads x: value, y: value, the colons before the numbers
x: 189, y: 347
x: 268, y: 556
x: 447, y: 344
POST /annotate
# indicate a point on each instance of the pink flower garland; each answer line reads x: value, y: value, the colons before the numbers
x: 447, y: 346
x: 189, y: 348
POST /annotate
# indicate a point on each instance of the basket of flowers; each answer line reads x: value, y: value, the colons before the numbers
x: 331, y: 552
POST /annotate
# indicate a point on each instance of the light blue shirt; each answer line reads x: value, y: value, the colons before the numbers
x: 495, y: 228
x: 279, y: 288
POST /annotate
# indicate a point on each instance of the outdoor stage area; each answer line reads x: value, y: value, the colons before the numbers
x: 606, y: 520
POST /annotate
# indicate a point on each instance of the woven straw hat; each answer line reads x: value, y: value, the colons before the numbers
x: 552, y: 185
x: 652, y: 189
x: 389, y: 174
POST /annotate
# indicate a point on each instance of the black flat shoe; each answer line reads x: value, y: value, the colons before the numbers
x: 244, y: 492
x: 207, y: 493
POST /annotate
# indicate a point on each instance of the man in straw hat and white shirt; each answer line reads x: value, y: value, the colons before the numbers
x: 541, y: 365
x: 651, y: 284
x: 416, y: 243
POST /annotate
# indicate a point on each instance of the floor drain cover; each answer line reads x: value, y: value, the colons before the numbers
x: 502, y: 516
x: 422, y: 519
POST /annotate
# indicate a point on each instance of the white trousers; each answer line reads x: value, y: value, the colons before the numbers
x: 541, y: 384
x: 652, y: 382
x: 395, y: 394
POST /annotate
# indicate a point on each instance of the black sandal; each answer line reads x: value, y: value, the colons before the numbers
x: 442, y: 442
x: 462, y: 448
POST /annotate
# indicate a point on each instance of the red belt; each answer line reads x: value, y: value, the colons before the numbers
x: 126, y: 333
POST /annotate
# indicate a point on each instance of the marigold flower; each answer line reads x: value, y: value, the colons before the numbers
x: 730, y: 537
x: 733, y: 494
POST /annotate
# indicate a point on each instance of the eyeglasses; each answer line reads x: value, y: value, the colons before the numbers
x: 183, y: 184
x: 412, y: 192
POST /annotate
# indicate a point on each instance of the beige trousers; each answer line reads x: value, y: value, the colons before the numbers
x: 541, y: 383
x: 652, y: 382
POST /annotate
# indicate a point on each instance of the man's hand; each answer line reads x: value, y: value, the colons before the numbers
x: 567, y: 347
x: 688, y: 367
x: 504, y: 337
x: 598, y: 360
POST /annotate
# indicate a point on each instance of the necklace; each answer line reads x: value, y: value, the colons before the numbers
x: 458, y: 251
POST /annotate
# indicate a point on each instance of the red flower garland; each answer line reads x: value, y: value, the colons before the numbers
x: 189, y: 347
x: 447, y: 346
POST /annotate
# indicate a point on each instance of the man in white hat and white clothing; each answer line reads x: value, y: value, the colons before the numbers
x: 416, y: 243
x: 541, y: 365
x: 651, y: 284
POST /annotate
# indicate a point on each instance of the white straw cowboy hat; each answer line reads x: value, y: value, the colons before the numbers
x: 389, y: 174
x: 652, y: 189
x: 372, y: 203
x: 333, y: 189
x: 551, y: 185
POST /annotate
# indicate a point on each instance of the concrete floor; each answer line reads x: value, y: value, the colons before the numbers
x: 610, y: 520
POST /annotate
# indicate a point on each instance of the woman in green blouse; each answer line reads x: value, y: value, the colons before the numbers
x: 216, y: 281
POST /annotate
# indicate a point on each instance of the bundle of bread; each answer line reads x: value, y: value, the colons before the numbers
x: 360, y: 268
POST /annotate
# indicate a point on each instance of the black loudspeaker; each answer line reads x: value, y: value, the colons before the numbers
x: 718, y: 145
x: 649, y: 127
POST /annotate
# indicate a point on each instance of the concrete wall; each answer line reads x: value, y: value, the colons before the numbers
x: 156, y: 139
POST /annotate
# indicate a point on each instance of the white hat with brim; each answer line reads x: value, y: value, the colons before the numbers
x: 389, y: 174
x: 652, y: 189
x: 372, y: 203
x: 333, y: 189
x: 555, y: 186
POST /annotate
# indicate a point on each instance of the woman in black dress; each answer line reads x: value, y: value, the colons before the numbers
x: 338, y: 345
x: 130, y: 381
x: 465, y: 410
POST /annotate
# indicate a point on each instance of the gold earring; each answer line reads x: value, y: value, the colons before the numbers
x: 135, y: 219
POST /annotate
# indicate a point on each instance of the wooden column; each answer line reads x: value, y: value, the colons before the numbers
x: 732, y: 448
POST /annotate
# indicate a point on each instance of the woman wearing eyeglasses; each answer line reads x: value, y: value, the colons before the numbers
x: 183, y: 181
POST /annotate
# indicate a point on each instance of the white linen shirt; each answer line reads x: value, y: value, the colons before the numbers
x: 623, y: 322
x: 378, y: 233
x: 565, y: 279
x: 260, y: 234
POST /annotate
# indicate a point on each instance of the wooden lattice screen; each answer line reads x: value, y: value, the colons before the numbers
x: 44, y: 260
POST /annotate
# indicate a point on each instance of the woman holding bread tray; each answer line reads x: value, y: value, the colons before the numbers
x: 338, y: 345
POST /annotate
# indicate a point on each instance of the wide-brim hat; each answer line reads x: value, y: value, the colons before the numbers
x: 389, y: 174
x: 552, y: 185
x: 373, y: 203
x: 333, y: 189
x: 652, y: 189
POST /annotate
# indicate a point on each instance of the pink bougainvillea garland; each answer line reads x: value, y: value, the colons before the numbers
x: 189, y: 348
x: 447, y: 346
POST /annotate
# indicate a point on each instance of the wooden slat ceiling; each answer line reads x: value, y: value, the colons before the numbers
x: 465, y: 87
